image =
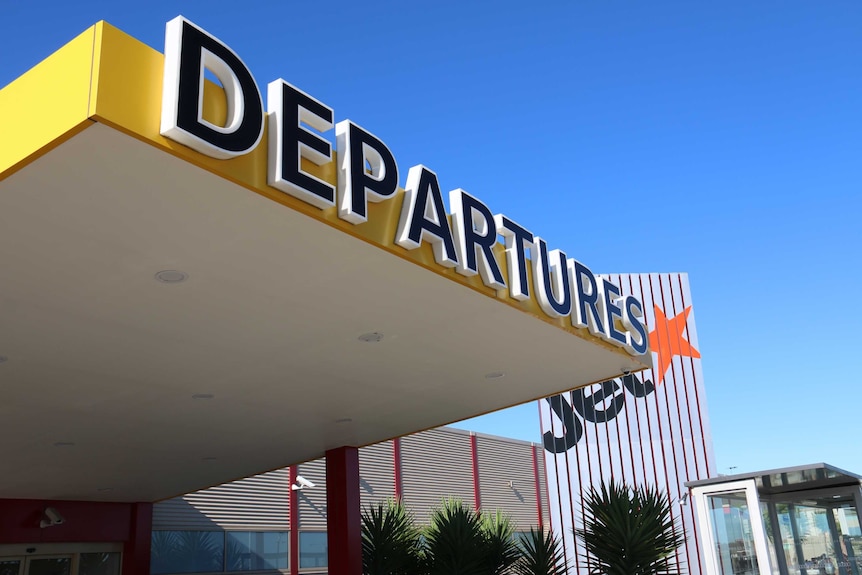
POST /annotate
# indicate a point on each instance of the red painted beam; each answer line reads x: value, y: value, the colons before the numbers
x: 343, y: 510
x: 538, y: 487
x: 474, y: 456
x: 396, y: 457
x: 84, y: 521
x: 293, y: 521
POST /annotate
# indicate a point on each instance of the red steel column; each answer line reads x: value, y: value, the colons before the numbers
x: 538, y: 485
x: 474, y: 456
x: 399, y: 481
x: 343, y: 521
x: 293, y: 521
x: 136, y: 550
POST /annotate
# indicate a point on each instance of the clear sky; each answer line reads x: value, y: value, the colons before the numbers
x: 722, y: 139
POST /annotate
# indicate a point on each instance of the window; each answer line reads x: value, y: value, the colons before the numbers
x: 312, y: 549
x: 256, y: 551
x: 187, y: 552
x: 175, y: 552
x: 99, y: 564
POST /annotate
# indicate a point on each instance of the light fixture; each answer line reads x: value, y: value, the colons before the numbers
x: 683, y: 499
x: 203, y: 396
x: 372, y: 337
x: 495, y: 375
x: 3, y: 359
x: 171, y: 276
x: 209, y: 458
x: 344, y: 420
x: 105, y: 489
x: 510, y: 484
x: 64, y: 444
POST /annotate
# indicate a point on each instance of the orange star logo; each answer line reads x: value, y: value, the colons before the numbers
x: 666, y: 340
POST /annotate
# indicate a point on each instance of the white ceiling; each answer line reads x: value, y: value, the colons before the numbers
x: 102, y: 355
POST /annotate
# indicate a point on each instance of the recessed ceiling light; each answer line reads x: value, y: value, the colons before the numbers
x: 495, y: 375
x: 209, y: 458
x: 64, y: 444
x: 344, y: 420
x: 203, y: 396
x: 373, y: 337
x: 172, y: 276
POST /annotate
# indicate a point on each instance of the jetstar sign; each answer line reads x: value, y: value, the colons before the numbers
x: 367, y: 172
x: 607, y: 399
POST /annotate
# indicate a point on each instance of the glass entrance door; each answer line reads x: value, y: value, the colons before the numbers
x: 48, y: 565
x: 61, y: 559
x: 734, y: 542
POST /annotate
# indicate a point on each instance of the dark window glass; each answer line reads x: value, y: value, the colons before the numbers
x: 50, y: 566
x: 99, y: 564
x: 187, y: 552
x: 256, y: 551
x: 9, y: 567
x: 312, y: 549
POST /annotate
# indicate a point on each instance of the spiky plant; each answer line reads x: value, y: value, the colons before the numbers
x: 541, y: 554
x: 391, y: 544
x: 454, y: 541
x: 501, y: 549
x: 630, y: 531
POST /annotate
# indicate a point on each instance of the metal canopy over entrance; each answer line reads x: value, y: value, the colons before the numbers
x: 170, y: 317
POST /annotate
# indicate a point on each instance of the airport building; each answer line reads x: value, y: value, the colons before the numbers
x: 246, y: 525
x: 197, y: 289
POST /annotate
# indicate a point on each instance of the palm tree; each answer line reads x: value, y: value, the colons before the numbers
x: 501, y: 549
x: 454, y: 542
x: 391, y: 544
x: 541, y: 554
x: 630, y: 531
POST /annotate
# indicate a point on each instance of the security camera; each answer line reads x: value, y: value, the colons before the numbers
x: 52, y: 517
x: 301, y: 483
x: 627, y: 372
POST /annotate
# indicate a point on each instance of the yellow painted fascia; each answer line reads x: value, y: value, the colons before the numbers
x: 47, y: 105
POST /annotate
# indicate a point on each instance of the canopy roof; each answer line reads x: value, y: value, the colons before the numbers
x: 119, y: 386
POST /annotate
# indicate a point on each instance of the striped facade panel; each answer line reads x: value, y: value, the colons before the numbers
x: 312, y: 501
x: 649, y: 428
x: 436, y: 464
x: 507, y: 479
x: 257, y: 503
x: 376, y: 473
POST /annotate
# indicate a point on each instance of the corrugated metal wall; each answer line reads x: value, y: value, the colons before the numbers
x: 436, y: 464
x: 312, y: 502
x: 507, y: 480
x: 376, y: 473
x: 649, y: 428
x: 254, y: 503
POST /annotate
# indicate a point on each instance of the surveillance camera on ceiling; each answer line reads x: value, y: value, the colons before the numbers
x: 302, y: 483
x: 52, y: 517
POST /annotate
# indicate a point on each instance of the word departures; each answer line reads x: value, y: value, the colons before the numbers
x: 367, y: 172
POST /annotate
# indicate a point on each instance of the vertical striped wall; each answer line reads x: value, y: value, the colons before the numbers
x: 648, y: 428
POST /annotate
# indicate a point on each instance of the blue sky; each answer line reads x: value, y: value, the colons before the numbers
x: 722, y: 140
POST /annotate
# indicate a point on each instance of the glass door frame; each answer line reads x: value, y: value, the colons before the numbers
x: 23, y: 552
x: 700, y: 496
